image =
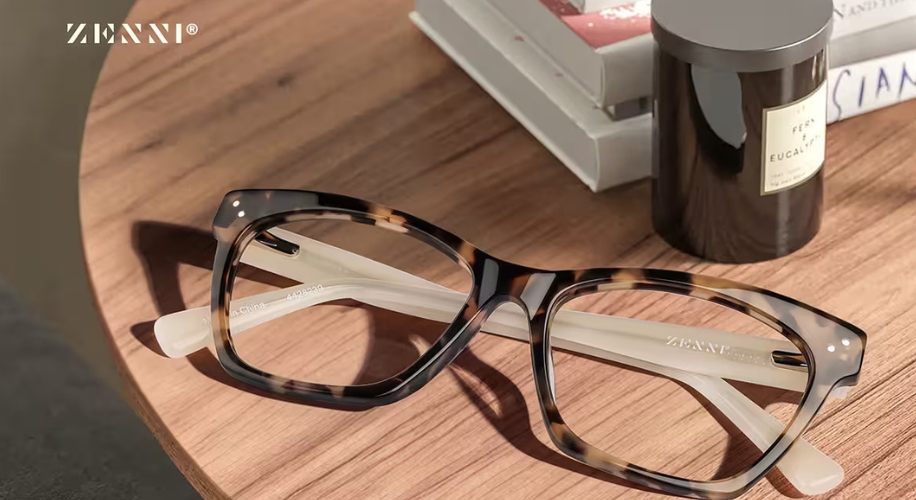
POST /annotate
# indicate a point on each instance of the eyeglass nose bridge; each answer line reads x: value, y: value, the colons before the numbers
x: 501, y: 282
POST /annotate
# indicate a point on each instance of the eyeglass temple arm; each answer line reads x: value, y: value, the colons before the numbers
x: 819, y: 473
x: 746, y: 358
x: 751, y: 359
x: 181, y: 333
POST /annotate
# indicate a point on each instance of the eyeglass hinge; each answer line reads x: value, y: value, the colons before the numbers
x: 269, y: 240
x: 792, y: 360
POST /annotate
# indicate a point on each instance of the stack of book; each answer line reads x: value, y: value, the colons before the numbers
x: 577, y: 73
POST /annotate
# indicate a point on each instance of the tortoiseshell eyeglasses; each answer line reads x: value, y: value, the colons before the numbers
x: 346, y: 302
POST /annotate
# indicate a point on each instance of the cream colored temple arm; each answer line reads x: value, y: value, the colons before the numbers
x: 723, y: 354
x: 587, y: 333
x: 333, y: 274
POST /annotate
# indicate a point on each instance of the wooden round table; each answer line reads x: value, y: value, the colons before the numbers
x: 348, y: 96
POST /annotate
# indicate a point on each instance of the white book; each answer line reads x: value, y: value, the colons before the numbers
x: 603, y: 52
x: 600, y: 151
x: 608, y: 51
x: 889, y: 39
x: 866, y: 86
x: 854, y: 16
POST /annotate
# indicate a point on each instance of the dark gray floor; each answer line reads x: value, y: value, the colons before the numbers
x: 64, y: 431
x: 45, y: 88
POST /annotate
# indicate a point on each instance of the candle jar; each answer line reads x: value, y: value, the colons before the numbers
x: 739, y: 123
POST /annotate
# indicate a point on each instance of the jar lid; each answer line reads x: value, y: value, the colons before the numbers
x: 742, y: 35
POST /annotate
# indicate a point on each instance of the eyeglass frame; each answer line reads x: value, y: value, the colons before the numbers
x: 244, y: 215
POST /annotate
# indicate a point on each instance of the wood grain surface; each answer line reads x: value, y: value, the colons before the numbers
x: 347, y: 96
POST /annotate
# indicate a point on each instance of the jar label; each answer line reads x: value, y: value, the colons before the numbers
x: 794, y: 142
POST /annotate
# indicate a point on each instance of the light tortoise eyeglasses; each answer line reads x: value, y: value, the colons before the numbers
x: 820, y: 355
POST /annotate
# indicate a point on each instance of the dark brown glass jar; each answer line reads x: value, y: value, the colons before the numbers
x: 739, y: 123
